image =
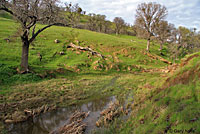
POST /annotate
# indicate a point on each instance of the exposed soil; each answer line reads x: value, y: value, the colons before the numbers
x: 158, y: 58
x: 184, y: 77
x: 185, y: 62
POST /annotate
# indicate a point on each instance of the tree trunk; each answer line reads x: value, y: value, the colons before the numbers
x: 24, y: 58
x: 148, y: 44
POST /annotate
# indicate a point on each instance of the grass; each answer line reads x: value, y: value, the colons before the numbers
x: 167, y: 109
x: 44, y: 44
x: 71, y: 79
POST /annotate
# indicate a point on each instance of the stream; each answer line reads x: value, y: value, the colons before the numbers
x: 50, y: 121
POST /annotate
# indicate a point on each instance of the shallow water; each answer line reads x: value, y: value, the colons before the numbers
x: 48, y: 122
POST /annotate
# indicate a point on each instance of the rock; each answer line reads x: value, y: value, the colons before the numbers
x: 95, y: 67
x: 129, y: 68
x: 111, y: 66
x: 78, y: 53
x: 62, y: 53
x: 77, y: 41
x: 101, y: 65
x: 96, y: 62
x: 7, y: 40
x: 142, y: 121
x: 78, y: 70
x: 56, y: 41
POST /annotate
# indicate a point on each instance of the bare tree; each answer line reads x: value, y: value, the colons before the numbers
x: 119, y: 24
x: 28, y: 13
x: 73, y: 13
x: 148, y: 16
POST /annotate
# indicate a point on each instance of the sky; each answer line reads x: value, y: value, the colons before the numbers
x: 180, y: 12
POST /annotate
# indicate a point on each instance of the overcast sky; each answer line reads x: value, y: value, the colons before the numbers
x: 180, y: 12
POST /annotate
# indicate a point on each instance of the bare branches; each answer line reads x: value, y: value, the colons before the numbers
x: 148, y: 16
x: 34, y: 35
x: 29, y: 12
x: 4, y: 5
x: 7, y: 10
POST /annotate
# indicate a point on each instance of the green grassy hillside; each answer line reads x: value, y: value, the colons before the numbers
x: 123, y: 53
x: 162, y: 100
x: 171, y: 107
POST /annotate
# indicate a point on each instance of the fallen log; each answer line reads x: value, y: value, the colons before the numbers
x: 71, y: 45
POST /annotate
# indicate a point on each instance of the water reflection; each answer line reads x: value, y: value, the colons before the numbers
x: 48, y: 122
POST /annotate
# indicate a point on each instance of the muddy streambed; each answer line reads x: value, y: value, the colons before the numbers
x: 48, y: 122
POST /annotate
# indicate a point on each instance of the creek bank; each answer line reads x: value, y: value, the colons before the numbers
x: 39, y: 123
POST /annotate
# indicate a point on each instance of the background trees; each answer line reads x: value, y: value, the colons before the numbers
x: 119, y: 24
x: 148, y: 16
x: 98, y: 23
x: 73, y: 14
x: 162, y: 32
x: 28, y: 13
x: 150, y: 21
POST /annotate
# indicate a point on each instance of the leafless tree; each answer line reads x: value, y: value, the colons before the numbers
x: 119, y: 24
x: 28, y: 13
x: 73, y: 13
x: 148, y: 16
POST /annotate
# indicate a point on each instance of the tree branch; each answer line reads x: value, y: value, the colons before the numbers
x: 7, y: 10
x: 40, y: 30
x: 33, y: 21
x: 33, y: 30
x: 12, y: 13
